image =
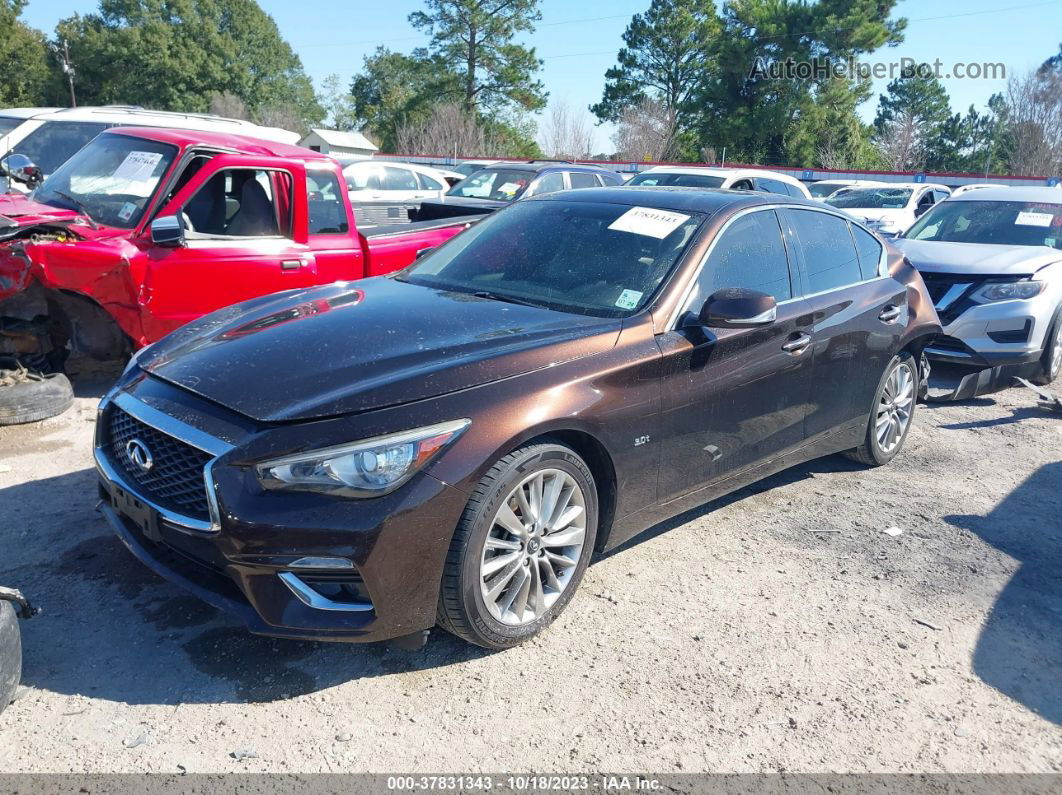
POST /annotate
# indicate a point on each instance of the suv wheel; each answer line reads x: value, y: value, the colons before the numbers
x: 521, y: 547
x: 1051, y: 361
x: 892, y: 413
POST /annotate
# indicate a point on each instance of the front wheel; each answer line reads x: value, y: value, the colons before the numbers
x: 521, y: 547
x: 892, y: 413
x: 1051, y: 360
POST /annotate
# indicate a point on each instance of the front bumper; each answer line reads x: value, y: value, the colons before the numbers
x: 296, y: 565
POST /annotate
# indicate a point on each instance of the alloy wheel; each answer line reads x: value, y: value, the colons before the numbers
x: 1056, y: 354
x: 533, y: 547
x: 894, y: 407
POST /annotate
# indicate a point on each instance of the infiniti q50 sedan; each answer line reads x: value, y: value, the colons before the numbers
x: 450, y: 444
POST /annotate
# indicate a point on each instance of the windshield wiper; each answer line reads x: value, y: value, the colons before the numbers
x: 78, y: 206
x: 509, y: 299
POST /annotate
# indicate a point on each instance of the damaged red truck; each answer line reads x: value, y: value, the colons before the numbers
x: 146, y: 229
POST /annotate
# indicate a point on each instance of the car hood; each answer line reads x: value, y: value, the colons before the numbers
x: 977, y: 258
x: 348, y: 348
x: 18, y: 211
x: 873, y: 215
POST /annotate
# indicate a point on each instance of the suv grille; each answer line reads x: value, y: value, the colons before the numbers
x: 175, y: 478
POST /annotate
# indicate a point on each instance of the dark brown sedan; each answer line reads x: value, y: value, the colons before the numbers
x: 449, y: 445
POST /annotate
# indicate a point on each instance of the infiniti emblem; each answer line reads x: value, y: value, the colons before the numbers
x: 137, y: 452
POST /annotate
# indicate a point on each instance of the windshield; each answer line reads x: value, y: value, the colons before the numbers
x: 500, y: 184
x: 678, y: 180
x: 54, y: 142
x: 111, y: 180
x: 997, y: 223
x: 467, y: 168
x: 820, y: 190
x: 8, y: 123
x: 872, y: 198
x: 588, y: 258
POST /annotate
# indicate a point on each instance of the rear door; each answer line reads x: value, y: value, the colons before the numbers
x: 858, y: 314
x: 247, y: 236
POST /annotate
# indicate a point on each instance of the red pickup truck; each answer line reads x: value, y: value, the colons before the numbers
x: 145, y: 229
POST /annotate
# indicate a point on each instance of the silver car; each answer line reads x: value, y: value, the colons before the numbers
x: 992, y: 260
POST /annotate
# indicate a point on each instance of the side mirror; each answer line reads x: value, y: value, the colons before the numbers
x: 21, y: 169
x: 168, y: 231
x: 737, y: 307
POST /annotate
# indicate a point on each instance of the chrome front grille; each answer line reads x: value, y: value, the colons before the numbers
x: 174, y: 479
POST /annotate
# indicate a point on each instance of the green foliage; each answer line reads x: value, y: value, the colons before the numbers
x: 474, y: 40
x: 514, y: 135
x: 177, y: 54
x: 921, y: 95
x: 27, y: 72
x: 667, y: 54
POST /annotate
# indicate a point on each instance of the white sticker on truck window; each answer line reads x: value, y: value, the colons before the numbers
x: 629, y: 299
x: 649, y: 222
x: 138, y: 166
x: 1034, y: 219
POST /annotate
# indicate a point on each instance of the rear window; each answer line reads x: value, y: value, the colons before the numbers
x: 869, y: 250
x: 55, y: 142
x: 499, y: 184
x: 678, y: 180
x: 8, y: 123
x: 328, y: 215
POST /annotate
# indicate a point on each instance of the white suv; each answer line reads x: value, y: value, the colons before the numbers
x: 49, y: 136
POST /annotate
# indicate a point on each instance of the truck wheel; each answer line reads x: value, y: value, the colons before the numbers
x: 521, y: 547
x: 1051, y: 360
x: 892, y: 413
x: 28, y: 396
x: 10, y: 654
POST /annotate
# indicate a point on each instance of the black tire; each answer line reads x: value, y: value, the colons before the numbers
x: 870, y: 452
x: 1049, y: 367
x: 33, y: 397
x: 10, y: 654
x: 462, y: 610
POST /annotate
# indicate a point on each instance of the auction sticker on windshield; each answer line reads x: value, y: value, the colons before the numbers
x: 649, y: 222
x: 1034, y: 219
x: 629, y: 299
x: 138, y: 166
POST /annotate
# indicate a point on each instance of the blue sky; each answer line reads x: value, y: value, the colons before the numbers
x: 578, y: 41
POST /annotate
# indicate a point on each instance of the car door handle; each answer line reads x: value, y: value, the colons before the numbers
x: 291, y: 264
x: 889, y: 314
x: 797, y: 344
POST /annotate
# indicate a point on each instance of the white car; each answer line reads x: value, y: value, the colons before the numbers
x: 891, y: 208
x: 385, y: 192
x: 725, y: 178
x: 959, y: 191
x: 49, y: 136
x: 825, y: 188
x: 992, y: 262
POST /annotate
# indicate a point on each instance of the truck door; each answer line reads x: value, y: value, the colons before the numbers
x: 246, y: 236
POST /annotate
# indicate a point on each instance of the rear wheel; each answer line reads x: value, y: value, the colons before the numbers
x: 892, y: 413
x: 1051, y: 360
x: 521, y: 547
x: 10, y: 654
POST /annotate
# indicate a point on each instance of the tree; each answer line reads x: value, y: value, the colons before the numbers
x: 900, y: 142
x: 918, y: 96
x: 646, y: 130
x: 177, y: 54
x: 229, y: 105
x: 338, y: 105
x: 1034, y: 123
x: 451, y: 130
x: 474, y: 39
x: 667, y: 55
x: 27, y: 75
x: 566, y: 134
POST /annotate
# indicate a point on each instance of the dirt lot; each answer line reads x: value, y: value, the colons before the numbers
x: 779, y: 629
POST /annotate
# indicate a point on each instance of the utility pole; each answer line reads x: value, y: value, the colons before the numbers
x: 68, y: 68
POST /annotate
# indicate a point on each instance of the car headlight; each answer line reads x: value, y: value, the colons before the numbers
x: 369, y: 468
x: 1007, y: 291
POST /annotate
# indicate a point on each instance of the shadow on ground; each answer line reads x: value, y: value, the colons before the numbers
x: 1019, y: 650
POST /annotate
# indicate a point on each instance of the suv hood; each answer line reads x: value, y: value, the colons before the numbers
x: 977, y: 258
x: 347, y: 348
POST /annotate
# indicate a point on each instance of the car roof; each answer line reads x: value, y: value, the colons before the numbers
x: 1007, y: 193
x: 241, y: 144
x: 539, y: 166
x: 25, y: 113
x: 704, y: 200
x: 721, y: 172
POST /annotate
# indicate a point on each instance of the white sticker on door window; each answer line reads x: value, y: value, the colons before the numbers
x: 138, y: 166
x: 649, y: 222
x: 1034, y: 219
x: 629, y: 299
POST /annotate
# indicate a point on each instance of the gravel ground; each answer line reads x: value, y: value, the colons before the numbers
x: 779, y: 629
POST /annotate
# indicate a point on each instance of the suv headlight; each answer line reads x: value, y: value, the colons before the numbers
x: 1007, y: 291
x: 369, y: 468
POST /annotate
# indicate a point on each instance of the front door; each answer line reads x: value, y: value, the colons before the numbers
x: 735, y: 397
x: 246, y: 237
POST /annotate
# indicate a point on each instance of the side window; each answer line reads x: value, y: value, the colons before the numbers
x: 53, y: 143
x: 742, y: 184
x: 186, y: 175
x: 328, y: 216
x: 583, y: 179
x: 869, y: 250
x: 829, y: 254
x: 428, y: 183
x: 241, y: 202
x: 749, y: 254
x: 364, y: 177
x: 549, y: 183
x: 399, y: 179
x: 926, y: 199
x: 772, y: 186
x: 939, y: 196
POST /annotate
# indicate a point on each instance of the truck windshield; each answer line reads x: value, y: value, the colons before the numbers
x: 111, y: 180
x: 997, y: 223
x: 872, y: 198
x: 589, y: 258
x: 500, y: 184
